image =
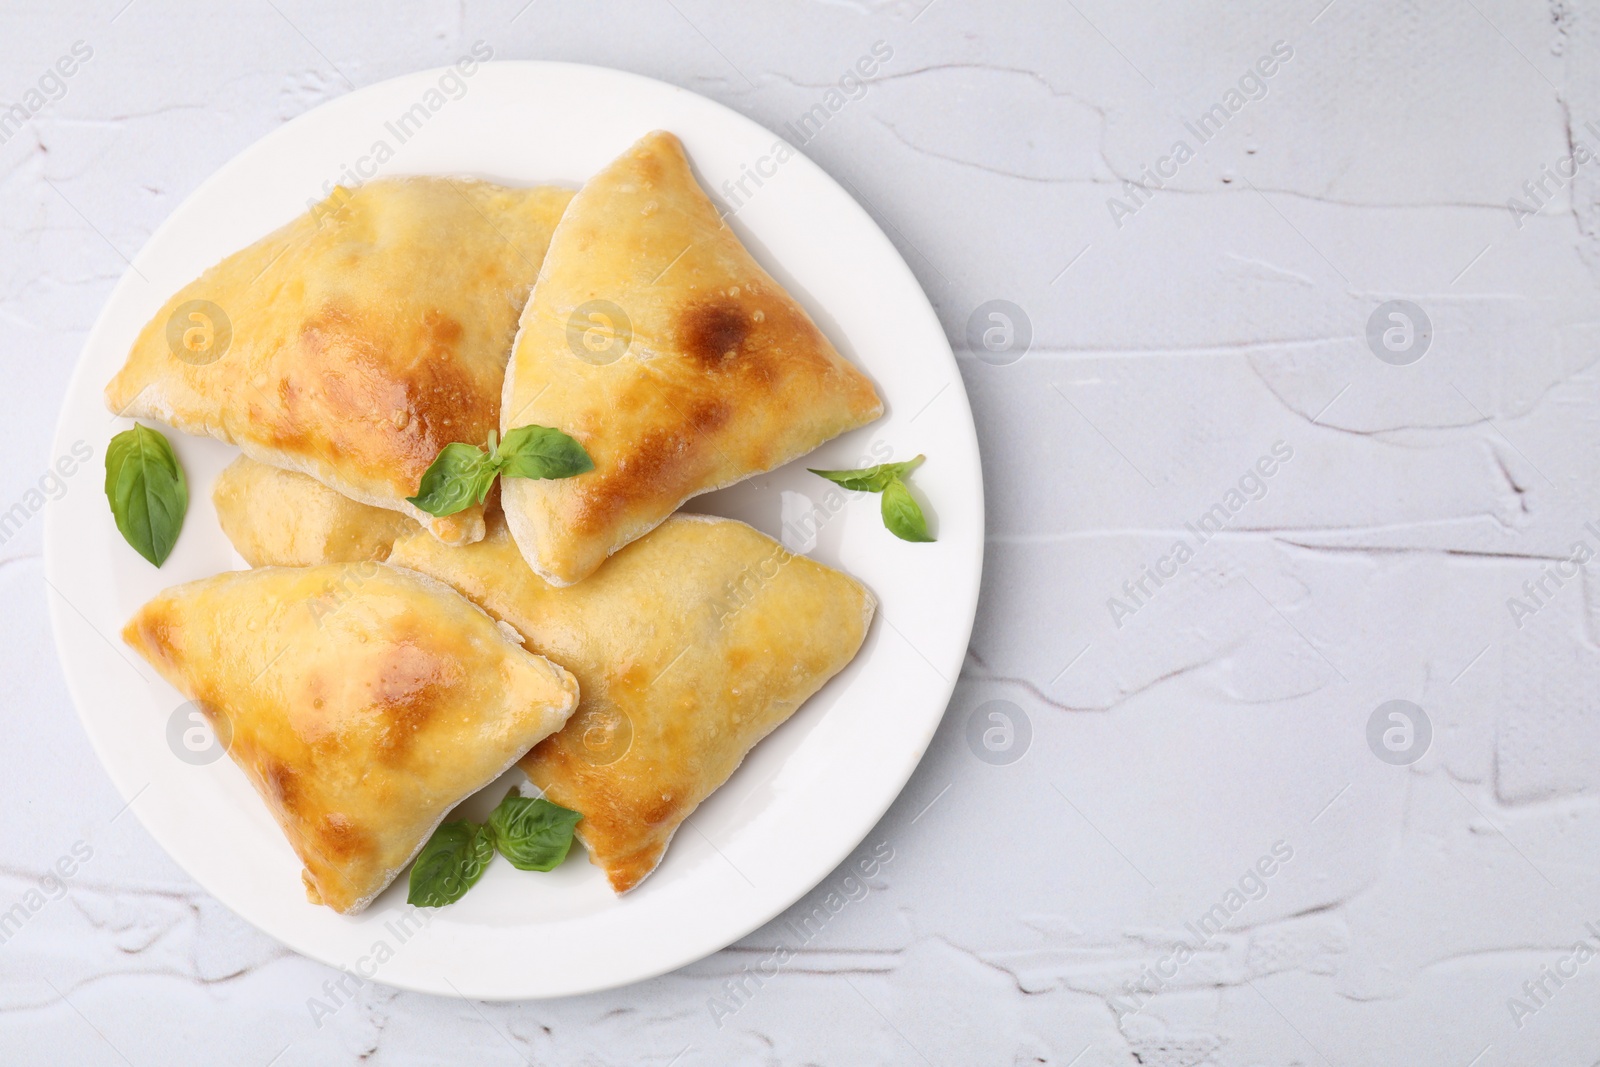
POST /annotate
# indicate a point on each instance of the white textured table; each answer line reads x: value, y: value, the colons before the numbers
x: 1180, y: 843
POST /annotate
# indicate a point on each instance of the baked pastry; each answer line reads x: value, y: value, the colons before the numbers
x: 362, y: 701
x: 279, y: 518
x: 356, y: 342
x: 657, y: 341
x: 689, y: 645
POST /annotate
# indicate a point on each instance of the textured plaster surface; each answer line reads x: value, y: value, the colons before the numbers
x: 1178, y: 744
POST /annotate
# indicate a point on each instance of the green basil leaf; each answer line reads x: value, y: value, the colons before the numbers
x: 451, y: 863
x: 871, y: 479
x: 541, y: 452
x: 533, y: 834
x: 148, y: 492
x: 902, y: 514
x: 459, y: 477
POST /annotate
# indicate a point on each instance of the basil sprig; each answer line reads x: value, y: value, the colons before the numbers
x: 534, y: 834
x: 902, y: 515
x: 461, y: 474
x: 451, y: 863
x: 871, y: 479
x: 147, y: 490
x: 540, y: 452
x: 459, y: 477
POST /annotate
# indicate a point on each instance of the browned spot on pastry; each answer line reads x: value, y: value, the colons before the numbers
x: 713, y: 334
x: 707, y: 416
x: 443, y: 331
x: 338, y: 838
x: 664, y: 464
x: 625, y: 872
x: 550, y: 746
x: 388, y: 396
x: 154, y: 628
x: 656, y: 465
x: 665, y: 809
x: 282, y: 785
x: 409, y: 689
x: 738, y: 658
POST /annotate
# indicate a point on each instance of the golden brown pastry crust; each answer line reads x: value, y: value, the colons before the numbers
x: 363, y: 701
x: 725, y: 375
x: 690, y: 645
x: 366, y: 335
x: 279, y: 518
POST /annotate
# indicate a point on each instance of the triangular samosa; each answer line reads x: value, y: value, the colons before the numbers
x: 657, y: 341
x: 689, y: 645
x: 362, y: 701
x: 357, y: 341
x: 279, y: 518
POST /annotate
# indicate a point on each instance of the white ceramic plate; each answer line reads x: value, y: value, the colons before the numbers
x: 804, y: 799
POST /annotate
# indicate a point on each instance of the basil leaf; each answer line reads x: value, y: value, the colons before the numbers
x: 451, y: 863
x: 902, y: 514
x: 459, y: 477
x: 147, y: 491
x: 541, y: 452
x: 533, y: 834
x: 871, y: 479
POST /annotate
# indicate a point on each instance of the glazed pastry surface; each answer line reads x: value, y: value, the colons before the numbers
x: 690, y: 645
x: 363, y: 702
x: 681, y: 366
x: 362, y: 337
x: 279, y: 518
